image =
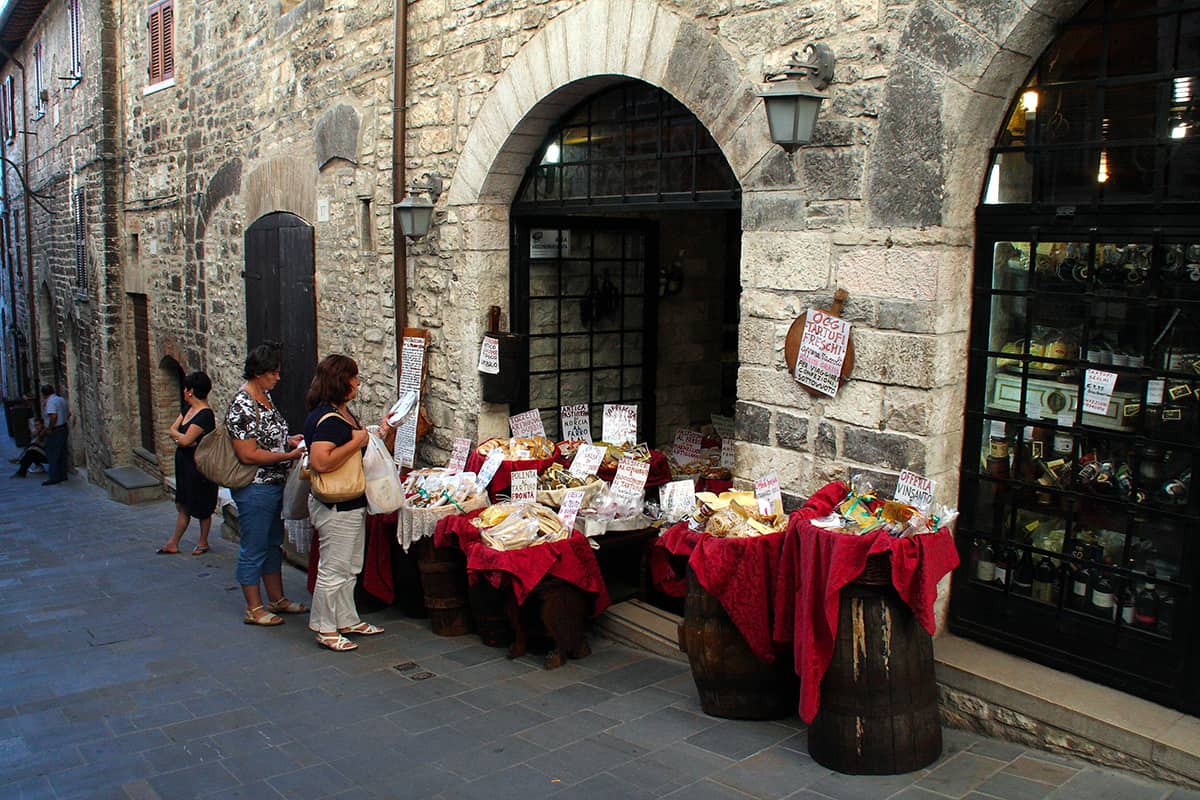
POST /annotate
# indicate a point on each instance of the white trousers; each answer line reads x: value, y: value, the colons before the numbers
x: 341, y: 535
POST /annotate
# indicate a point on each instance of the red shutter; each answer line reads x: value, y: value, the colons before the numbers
x: 154, y: 37
x: 167, y: 25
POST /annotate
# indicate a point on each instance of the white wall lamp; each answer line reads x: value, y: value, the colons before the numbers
x: 793, y: 96
x: 414, y: 213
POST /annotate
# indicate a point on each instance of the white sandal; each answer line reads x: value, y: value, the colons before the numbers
x: 335, y: 642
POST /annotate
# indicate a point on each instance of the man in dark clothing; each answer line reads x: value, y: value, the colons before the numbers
x: 55, y: 415
x: 34, y: 452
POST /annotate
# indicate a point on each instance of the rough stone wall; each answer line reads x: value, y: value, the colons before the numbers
x: 881, y: 204
x: 259, y: 93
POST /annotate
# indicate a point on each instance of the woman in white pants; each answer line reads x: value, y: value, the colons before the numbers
x: 333, y: 434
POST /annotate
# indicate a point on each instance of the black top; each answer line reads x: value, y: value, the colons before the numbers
x: 336, y: 431
x: 194, y: 493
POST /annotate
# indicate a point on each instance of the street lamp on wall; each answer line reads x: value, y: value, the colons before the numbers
x: 793, y: 97
x: 414, y: 213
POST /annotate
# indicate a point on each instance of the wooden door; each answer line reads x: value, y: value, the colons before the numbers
x: 281, y: 303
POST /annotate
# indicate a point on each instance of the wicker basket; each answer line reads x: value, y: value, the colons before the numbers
x: 877, y: 572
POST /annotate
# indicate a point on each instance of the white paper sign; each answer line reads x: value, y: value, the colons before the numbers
x: 620, y: 423
x: 1097, y: 390
x: 489, y: 356
x: 412, y: 366
x: 1154, y: 392
x: 527, y: 424
x: 549, y: 242
x: 576, y: 423
x: 727, y: 453
x: 458, y: 456
x: 770, y: 499
x: 490, y: 465
x: 630, y: 480
x: 524, y: 486
x: 571, y: 502
x: 822, y: 351
x: 687, y: 446
x: 677, y: 499
x: 587, y: 461
x: 915, y: 490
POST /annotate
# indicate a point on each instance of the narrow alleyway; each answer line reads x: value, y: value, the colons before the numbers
x: 126, y: 674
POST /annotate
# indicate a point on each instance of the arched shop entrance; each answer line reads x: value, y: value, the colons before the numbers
x: 1078, y: 527
x: 625, y: 250
x: 624, y: 275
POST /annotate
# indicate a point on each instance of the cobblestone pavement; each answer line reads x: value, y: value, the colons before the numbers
x: 126, y: 674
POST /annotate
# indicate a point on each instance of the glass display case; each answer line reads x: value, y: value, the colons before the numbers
x: 1078, y: 529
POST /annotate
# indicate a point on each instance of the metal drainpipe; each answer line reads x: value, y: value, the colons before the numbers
x: 26, y: 189
x: 399, y: 127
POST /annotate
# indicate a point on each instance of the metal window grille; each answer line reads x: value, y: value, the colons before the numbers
x: 81, y: 283
x: 39, y: 80
x: 76, y: 19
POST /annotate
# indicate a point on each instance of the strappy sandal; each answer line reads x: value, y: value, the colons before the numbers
x: 335, y: 642
x: 362, y: 629
x: 285, y: 606
x: 266, y: 619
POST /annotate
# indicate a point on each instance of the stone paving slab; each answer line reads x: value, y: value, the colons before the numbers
x: 126, y: 674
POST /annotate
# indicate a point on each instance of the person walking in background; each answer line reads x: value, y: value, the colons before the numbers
x: 333, y: 434
x: 55, y: 413
x: 34, y: 452
x: 260, y: 437
x: 195, y: 495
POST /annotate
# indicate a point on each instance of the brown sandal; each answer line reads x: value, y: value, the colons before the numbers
x: 266, y: 619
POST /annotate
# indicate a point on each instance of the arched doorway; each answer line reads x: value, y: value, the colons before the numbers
x: 1082, y: 434
x: 625, y: 264
x: 281, y: 303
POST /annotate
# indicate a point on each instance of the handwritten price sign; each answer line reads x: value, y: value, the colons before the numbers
x: 524, y: 486
x: 458, y: 456
x: 822, y: 351
x: 768, y: 494
x: 620, y: 423
x: 576, y: 423
x: 527, y: 424
x: 489, y: 356
x: 587, y: 461
x: 1097, y: 390
x: 916, y: 490
x: 569, y: 509
x: 630, y: 480
x: 687, y: 446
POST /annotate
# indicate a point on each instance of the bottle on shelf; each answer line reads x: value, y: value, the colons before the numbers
x: 1145, y: 606
x: 985, y: 562
x: 1104, y: 599
x: 1177, y: 489
x: 1002, y: 564
x: 1128, y: 596
x: 1166, y: 611
x: 998, y: 458
x: 1081, y: 578
x: 1022, y: 580
x: 1043, y: 580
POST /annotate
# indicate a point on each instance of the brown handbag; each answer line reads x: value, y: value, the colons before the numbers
x: 347, y: 482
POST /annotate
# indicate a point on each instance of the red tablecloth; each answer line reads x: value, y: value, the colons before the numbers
x: 571, y: 559
x: 660, y: 470
x: 503, y: 477
x: 816, y: 565
x: 377, y: 572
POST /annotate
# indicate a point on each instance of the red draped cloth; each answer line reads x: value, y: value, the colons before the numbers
x: 660, y: 469
x: 817, y: 564
x: 377, y: 572
x: 503, y: 477
x: 571, y: 560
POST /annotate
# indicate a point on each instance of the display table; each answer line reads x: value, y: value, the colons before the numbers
x: 881, y: 698
x: 660, y: 469
x: 502, y: 480
x: 562, y: 576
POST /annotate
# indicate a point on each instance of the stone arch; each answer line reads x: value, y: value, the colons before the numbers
x: 957, y: 68
x: 594, y: 45
x: 282, y: 183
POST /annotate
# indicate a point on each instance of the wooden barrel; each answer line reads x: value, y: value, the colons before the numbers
x: 443, y: 572
x: 879, y: 711
x: 490, y: 615
x: 731, y: 681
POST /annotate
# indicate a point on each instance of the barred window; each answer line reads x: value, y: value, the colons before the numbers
x: 39, y: 82
x: 81, y: 285
x: 76, y: 38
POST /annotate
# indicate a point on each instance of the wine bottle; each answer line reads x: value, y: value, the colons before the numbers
x: 985, y: 566
x: 1022, y: 581
x: 998, y: 464
x: 1081, y: 578
x: 1166, y: 611
x: 1104, y: 600
x: 1128, y: 597
x: 1002, y: 566
x: 1145, y: 608
x: 1043, y: 581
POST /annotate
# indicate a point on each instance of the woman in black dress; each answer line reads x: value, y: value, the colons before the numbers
x: 195, y: 495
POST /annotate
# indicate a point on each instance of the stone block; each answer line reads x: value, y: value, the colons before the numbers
x: 752, y: 423
x: 771, y: 305
x: 785, y: 260
x: 336, y: 135
x: 761, y: 342
x: 662, y: 43
x: 825, y: 445
x: 771, y: 385
x: 883, y: 450
x: 773, y: 211
x: 616, y: 40
x: 924, y: 411
x: 832, y: 173
x: 641, y: 25
x: 945, y: 42
x: 753, y: 461
x: 791, y: 431
x: 893, y: 358
x: 858, y: 403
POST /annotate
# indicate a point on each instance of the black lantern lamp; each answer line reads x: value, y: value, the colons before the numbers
x: 415, y: 212
x: 793, y: 96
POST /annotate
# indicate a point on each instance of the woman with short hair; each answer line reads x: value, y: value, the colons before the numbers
x: 333, y: 435
x: 195, y: 495
x: 260, y: 437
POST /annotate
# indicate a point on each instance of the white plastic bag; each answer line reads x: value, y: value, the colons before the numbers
x: 385, y: 493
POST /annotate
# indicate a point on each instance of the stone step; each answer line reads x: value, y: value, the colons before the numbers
x: 644, y: 626
x: 129, y: 485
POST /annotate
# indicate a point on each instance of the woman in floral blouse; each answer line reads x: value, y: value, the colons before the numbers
x: 260, y: 436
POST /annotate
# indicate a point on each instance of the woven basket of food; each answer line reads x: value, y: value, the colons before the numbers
x: 556, y: 480
x: 430, y: 495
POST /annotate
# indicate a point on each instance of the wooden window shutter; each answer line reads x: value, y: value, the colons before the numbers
x: 167, y: 25
x: 10, y: 120
x: 154, y: 37
x: 80, y: 244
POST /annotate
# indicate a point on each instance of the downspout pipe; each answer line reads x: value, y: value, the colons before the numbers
x: 399, y: 128
x: 31, y: 287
